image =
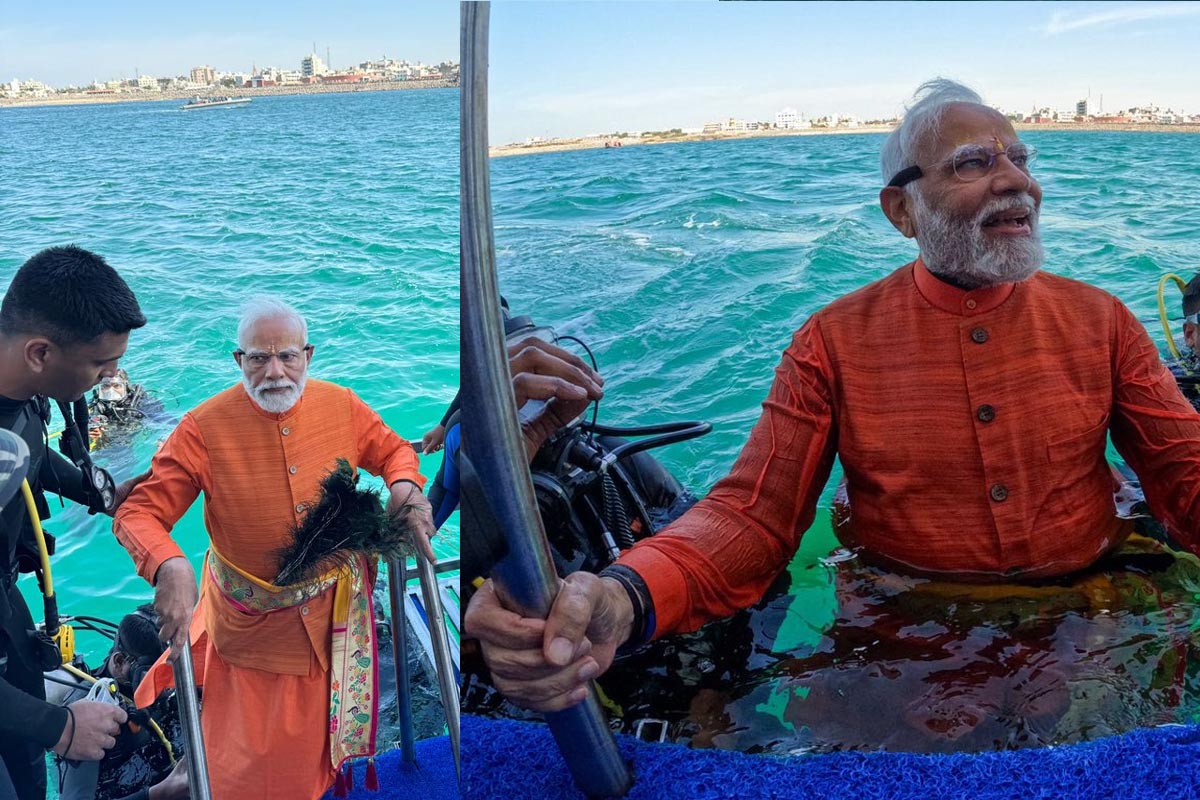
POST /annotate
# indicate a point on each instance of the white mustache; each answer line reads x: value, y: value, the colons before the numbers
x: 282, y: 383
x: 1022, y: 202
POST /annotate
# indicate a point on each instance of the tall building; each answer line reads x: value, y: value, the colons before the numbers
x: 1081, y: 108
x: 204, y: 75
x: 312, y: 66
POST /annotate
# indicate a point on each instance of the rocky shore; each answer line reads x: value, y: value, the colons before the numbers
x: 267, y: 91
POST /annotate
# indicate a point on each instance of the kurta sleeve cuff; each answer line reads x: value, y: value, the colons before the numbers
x: 666, y: 585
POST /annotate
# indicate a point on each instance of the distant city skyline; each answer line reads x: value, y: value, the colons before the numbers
x: 76, y: 46
x: 571, y: 69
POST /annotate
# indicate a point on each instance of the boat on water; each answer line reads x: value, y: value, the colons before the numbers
x: 214, y: 102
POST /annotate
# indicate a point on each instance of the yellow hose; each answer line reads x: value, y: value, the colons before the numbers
x: 78, y: 673
x: 1162, y: 310
x: 39, y: 534
x: 48, y: 591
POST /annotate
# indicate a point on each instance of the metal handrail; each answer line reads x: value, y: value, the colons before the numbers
x: 525, y: 579
x: 189, y: 717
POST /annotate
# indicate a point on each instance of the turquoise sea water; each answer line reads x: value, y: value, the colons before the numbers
x: 344, y: 204
x: 688, y: 266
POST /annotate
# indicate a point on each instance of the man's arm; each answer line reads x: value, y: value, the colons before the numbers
x: 84, y: 733
x: 382, y: 452
x: 724, y: 552
x: 143, y: 523
x: 1156, y: 430
x: 59, y: 476
x: 717, y: 558
x: 25, y: 717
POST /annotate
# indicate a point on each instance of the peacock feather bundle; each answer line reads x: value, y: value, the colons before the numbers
x: 344, y: 521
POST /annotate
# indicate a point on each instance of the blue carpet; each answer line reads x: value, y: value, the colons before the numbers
x: 431, y: 778
x: 504, y: 759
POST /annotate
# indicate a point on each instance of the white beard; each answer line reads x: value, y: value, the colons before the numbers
x: 275, y: 402
x: 956, y: 249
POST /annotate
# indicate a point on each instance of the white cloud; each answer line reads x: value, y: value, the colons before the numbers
x: 1065, y: 22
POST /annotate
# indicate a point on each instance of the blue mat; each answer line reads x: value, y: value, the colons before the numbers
x: 504, y: 759
x: 431, y: 778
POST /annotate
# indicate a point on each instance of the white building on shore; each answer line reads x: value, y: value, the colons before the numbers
x: 790, y: 119
x: 311, y: 66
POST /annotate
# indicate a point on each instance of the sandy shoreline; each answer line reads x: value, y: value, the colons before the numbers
x: 598, y: 142
x: 269, y: 91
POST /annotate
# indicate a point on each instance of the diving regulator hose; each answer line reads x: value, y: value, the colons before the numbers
x: 1162, y: 310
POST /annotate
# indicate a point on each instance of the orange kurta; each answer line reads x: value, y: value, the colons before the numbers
x: 265, y: 677
x: 972, y: 429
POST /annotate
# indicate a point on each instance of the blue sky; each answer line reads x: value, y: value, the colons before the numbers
x: 66, y: 42
x: 574, y: 68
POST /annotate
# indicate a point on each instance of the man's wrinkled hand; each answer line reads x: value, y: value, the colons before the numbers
x: 124, y: 488
x: 91, y: 729
x: 406, y: 498
x: 546, y: 665
x: 542, y: 371
x: 175, y: 598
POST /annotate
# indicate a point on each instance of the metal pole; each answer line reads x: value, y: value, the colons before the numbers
x: 525, y: 578
x: 438, y: 639
x: 397, y: 581
x: 189, y: 717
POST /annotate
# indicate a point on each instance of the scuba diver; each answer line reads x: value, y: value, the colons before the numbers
x: 118, y: 405
x: 1186, y: 365
x: 142, y: 764
x: 64, y: 322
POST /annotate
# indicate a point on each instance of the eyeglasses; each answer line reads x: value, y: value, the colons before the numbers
x: 258, y: 359
x: 974, y: 161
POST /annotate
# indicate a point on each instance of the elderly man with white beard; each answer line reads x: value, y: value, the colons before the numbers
x: 970, y: 422
x: 288, y: 671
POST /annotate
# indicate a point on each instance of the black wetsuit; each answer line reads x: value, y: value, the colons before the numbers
x: 28, y: 724
x: 443, y: 494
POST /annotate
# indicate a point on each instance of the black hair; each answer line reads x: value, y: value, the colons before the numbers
x: 137, y: 635
x: 1191, y: 296
x: 70, y: 296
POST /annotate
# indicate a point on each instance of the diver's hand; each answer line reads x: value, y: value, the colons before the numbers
x: 545, y: 665
x: 175, y: 598
x: 419, y: 512
x: 125, y: 487
x: 432, y: 441
x: 174, y: 786
x: 542, y: 371
x: 91, y: 729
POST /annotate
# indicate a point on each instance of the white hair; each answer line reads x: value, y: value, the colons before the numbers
x: 267, y: 307
x: 930, y: 102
